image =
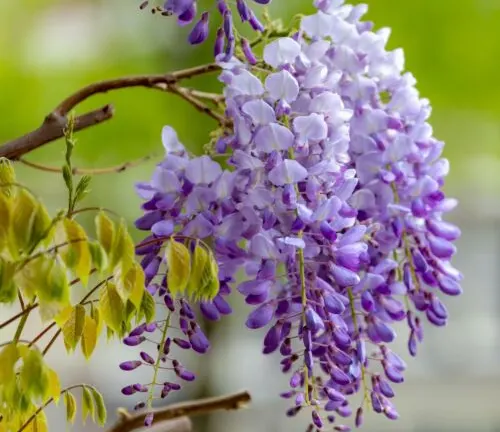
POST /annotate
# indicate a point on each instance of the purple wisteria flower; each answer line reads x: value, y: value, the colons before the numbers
x: 331, y: 208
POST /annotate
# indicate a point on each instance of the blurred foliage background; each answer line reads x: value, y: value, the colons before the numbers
x: 50, y: 48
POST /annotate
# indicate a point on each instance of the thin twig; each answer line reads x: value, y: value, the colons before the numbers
x: 40, y: 409
x: 92, y: 171
x: 203, y: 406
x: 54, y: 124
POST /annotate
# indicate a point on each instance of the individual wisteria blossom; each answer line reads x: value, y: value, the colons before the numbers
x: 186, y: 13
x: 331, y: 207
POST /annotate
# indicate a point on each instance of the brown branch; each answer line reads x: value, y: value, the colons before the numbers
x: 93, y: 171
x: 53, y: 126
x: 128, y: 423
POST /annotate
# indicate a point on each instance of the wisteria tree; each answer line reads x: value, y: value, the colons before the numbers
x: 319, y: 199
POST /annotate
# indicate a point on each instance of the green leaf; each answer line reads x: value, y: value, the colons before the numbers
x: 178, y: 267
x: 77, y: 255
x: 67, y: 176
x: 89, y: 336
x: 73, y: 327
x: 87, y: 404
x: 99, y: 257
x: 70, y: 402
x: 8, y: 290
x: 148, y: 307
x: 82, y: 188
x: 105, y: 231
x: 8, y: 358
x: 24, y: 213
x: 34, y: 378
x: 112, y: 307
x: 100, y: 407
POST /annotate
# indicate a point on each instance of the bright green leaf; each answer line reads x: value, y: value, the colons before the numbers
x: 70, y: 402
x: 89, y: 336
x: 100, y: 407
x: 178, y: 267
x: 87, y: 404
x: 112, y: 307
x: 82, y: 188
x: 7, y: 176
x: 5, y: 220
x: 73, y: 327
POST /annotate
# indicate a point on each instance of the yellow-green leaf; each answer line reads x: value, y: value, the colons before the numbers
x: 147, y: 307
x: 38, y: 424
x: 178, y: 267
x: 105, y: 231
x: 131, y: 285
x: 73, y: 327
x: 89, y: 336
x: 7, y: 176
x: 41, y: 225
x: 198, y: 278
x: 87, y: 404
x: 54, y: 387
x: 8, y: 358
x: 112, y: 307
x: 123, y: 251
x: 96, y: 316
x: 77, y: 253
x: 54, y: 288
x: 8, y: 290
x: 34, y: 276
x: 100, y: 407
x: 24, y: 212
x: 99, y: 258
x: 211, y: 287
x: 63, y: 316
x: 33, y: 375
x: 70, y: 402
x: 5, y: 220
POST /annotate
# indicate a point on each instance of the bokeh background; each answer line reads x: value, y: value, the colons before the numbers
x: 49, y: 48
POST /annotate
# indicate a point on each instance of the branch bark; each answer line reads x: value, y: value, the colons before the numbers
x: 129, y: 422
x: 53, y: 126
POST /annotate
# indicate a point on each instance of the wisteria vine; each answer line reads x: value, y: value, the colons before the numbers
x: 331, y: 204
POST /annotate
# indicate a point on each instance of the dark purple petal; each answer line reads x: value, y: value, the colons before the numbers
x: 260, y: 316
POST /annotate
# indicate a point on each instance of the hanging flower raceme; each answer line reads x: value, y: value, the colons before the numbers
x: 181, y: 211
x: 332, y: 208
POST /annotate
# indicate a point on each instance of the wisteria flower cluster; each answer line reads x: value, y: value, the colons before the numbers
x: 331, y: 205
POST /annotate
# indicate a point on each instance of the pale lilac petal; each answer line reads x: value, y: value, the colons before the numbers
x: 282, y: 86
x: 260, y: 112
x: 170, y: 140
x: 287, y: 172
x: 281, y: 51
x: 273, y: 137
x: 202, y: 170
x: 311, y: 127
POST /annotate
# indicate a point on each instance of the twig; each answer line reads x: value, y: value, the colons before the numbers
x: 230, y: 402
x: 93, y: 171
x: 53, y: 126
x: 182, y: 424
